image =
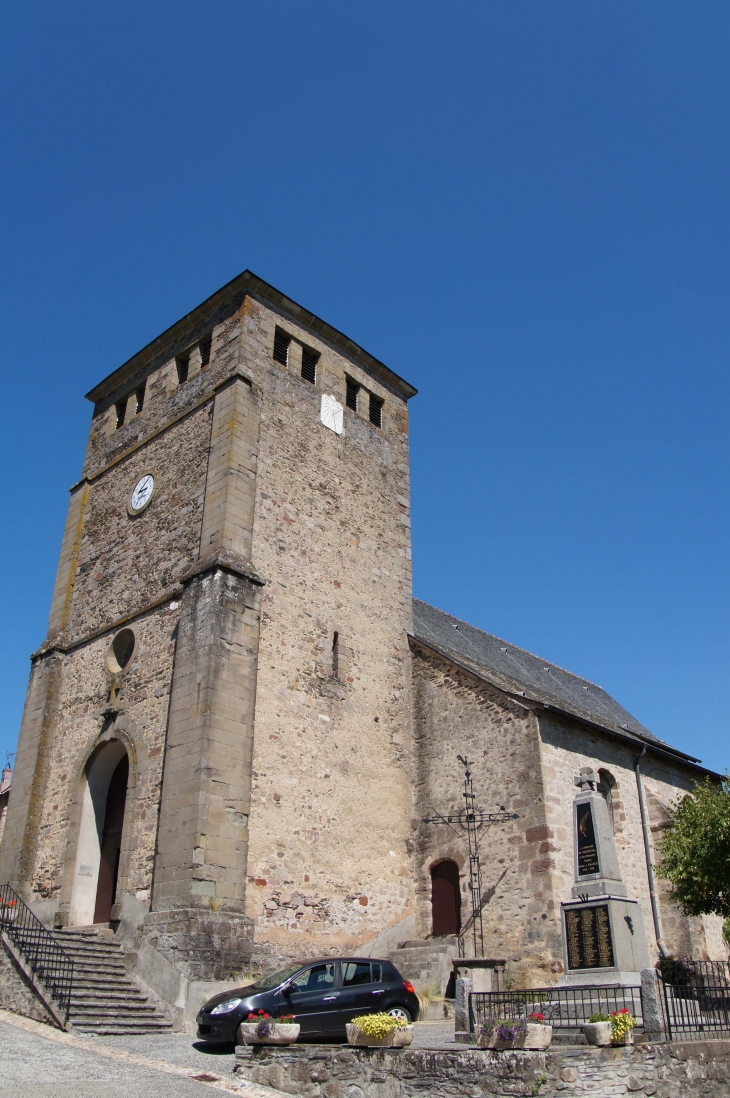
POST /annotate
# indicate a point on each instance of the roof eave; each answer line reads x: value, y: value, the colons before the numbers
x: 248, y: 282
x: 638, y: 741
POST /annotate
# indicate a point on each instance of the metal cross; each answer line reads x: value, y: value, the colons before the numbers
x: 471, y: 821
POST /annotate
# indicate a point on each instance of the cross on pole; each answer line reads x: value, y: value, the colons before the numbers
x: 470, y: 821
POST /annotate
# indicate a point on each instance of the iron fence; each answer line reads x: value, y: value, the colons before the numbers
x: 42, y: 953
x: 695, y: 999
x: 566, y: 1008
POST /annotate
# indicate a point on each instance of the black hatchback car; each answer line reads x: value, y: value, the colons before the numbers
x: 323, y: 996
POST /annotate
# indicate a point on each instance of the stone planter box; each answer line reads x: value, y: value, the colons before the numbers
x: 627, y: 1039
x: 280, y: 1034
x: 598, y: 1033
x: 397, y: 1038
x: 536, y: 1037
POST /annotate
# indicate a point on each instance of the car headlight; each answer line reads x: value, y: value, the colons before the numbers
x: 228, y: 1005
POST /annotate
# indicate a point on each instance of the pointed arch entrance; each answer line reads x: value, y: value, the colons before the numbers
x: 104, y: 797
x: 445, y: 898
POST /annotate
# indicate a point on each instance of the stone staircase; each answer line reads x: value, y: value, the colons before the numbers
x: 427, y: 963
x: 105, y: 1000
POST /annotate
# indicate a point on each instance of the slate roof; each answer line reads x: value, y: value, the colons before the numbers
x: 515, y: 671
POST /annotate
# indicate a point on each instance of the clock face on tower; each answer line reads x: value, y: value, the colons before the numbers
x: 142, y: 493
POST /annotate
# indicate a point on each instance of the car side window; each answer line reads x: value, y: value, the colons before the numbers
x: 317, y: 978
x: 377, y: 973
x: 355, y: 972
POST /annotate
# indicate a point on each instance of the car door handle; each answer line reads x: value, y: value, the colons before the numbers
x: 329, y: 998
x: 379, y: 992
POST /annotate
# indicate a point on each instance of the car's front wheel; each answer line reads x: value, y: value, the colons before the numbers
x: 401, y: 1013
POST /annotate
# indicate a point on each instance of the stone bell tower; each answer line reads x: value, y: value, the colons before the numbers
x: 217, y: 726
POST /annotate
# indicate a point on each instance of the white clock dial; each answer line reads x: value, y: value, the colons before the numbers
x: 142, y: 493
x: 330, y: 413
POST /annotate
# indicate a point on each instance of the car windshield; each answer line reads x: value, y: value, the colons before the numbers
x: 276, y: 978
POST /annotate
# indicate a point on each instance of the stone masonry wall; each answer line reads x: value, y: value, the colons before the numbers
x: 144, y: 699
x: 456, y: 713
x: 331, y: 801
x: 566, y: 747
x: 127, y: 562
x: 664, y: 1071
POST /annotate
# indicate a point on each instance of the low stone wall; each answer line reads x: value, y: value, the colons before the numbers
x: 17, y: 993
x: 701, y: 1069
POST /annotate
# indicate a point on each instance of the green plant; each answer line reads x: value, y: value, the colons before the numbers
x: 378, y: 1025
x: 622, y: 1022
x: 539, y: 1082
x: 599, y: 1018
x: 695, y: 850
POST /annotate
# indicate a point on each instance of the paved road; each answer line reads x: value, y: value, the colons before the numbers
x: 37, y: 1066
x: 38, y: 1061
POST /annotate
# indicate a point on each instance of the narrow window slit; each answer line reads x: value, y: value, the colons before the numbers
x: 205, y: 345
x: 352, y: 390
x: 121, y: 407
x: 336, y: 655
x: 309, y: 364
x: 281, y: 346
x: 140, y: 397
x: 182, y: 362
x: 376, y: 411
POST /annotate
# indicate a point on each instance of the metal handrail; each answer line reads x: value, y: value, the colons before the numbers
x: 48, y: 960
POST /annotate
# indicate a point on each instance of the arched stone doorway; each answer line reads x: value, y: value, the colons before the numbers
x: 445, y: 898
x: 100, y: 835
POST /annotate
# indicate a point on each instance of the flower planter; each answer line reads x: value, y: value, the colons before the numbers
x: 598, y: 1033
x: 8, y: 915
x: 536, y: 1037
x: 626, y: 1039
x: 400, y: 1037
x: 280, y: 1034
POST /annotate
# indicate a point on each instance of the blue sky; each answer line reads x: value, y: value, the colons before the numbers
x: 521, y: 207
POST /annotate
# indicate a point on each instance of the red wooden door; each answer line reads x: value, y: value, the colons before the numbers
x: 445, y: 898
x: 111, y: 842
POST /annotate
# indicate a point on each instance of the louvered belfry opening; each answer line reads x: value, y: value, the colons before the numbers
x: 352, y: 390
x: 182, y: 363
x: 376, y: 411
x: 121, y: 410
x: 310, y: 359
x: 205, y: 345
x: 445, y: 898
x: 140, y: 396
x: 281, y: 346
x: 111, y: 842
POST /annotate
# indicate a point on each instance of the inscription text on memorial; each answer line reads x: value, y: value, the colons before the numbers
x: 588, y: 936
x: 587, y: 850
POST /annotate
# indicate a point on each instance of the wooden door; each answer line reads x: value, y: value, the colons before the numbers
x: 111, y: 842
x: 445, y: 898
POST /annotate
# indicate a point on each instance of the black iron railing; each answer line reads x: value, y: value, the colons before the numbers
x: 695, y: 998
x: 566, y: 1008
x: 48, y: 960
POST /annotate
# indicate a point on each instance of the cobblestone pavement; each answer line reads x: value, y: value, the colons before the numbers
x: 46, y: 1063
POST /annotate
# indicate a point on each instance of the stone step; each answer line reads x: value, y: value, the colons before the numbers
x: 82, y: 950
x: 112, y: 1011
x: 103, y: 1030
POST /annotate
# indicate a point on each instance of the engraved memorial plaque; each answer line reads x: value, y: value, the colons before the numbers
x: 587, y: 850
x: 588, y: 937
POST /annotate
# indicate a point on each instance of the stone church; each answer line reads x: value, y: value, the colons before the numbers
x: 240, y: 717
